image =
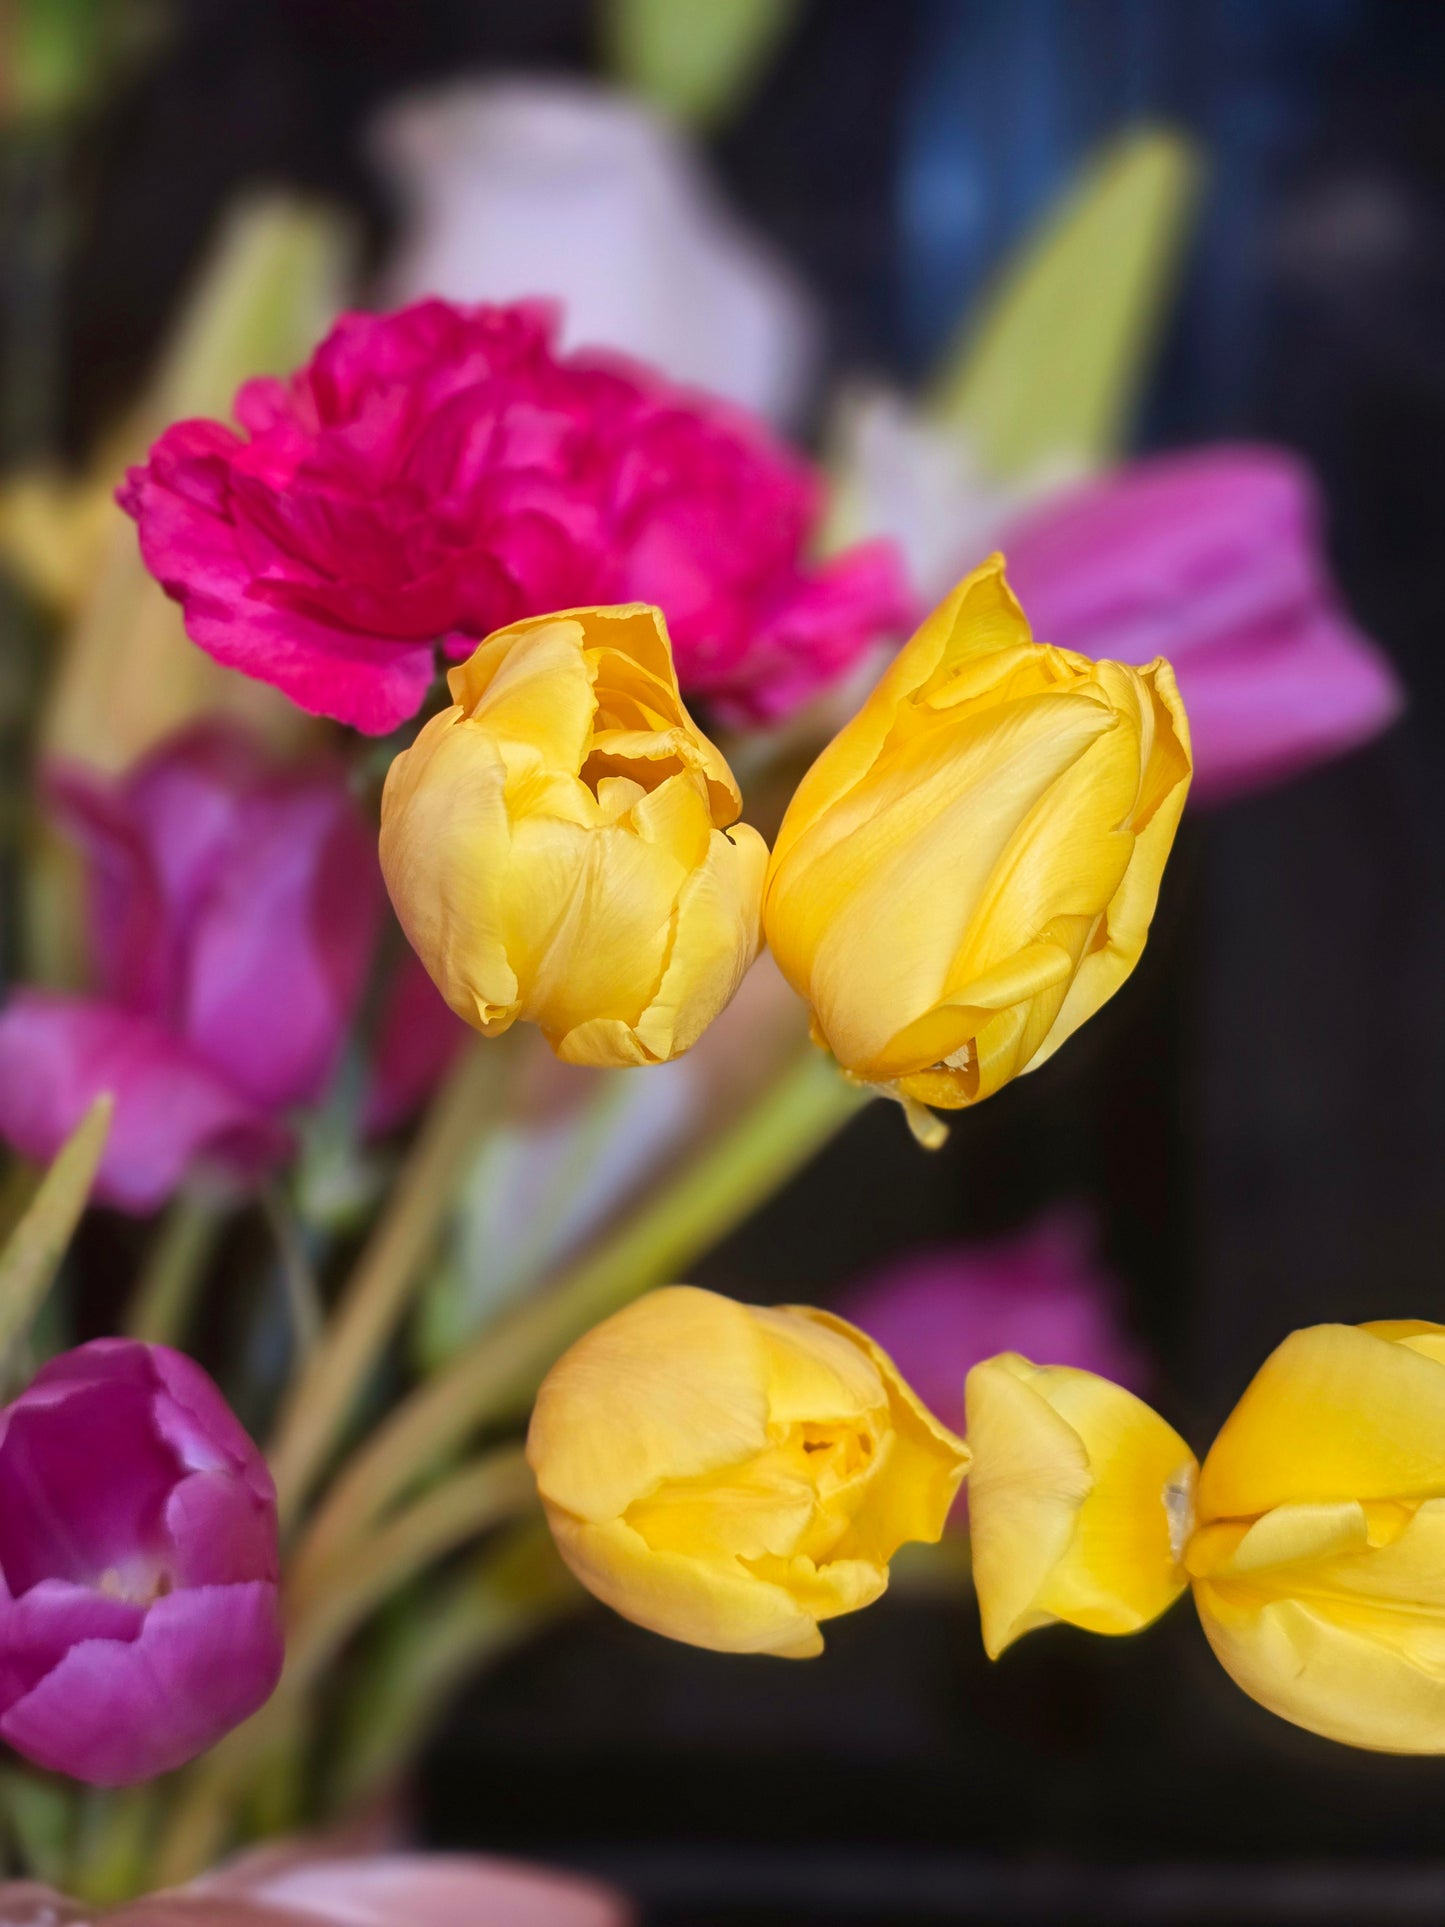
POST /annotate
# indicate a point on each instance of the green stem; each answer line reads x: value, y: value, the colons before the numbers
x: 509, y: 1591
x: 200, y: 1816
x: 303, y: 1298
x: 108, y: 1861
x: 327, y: 1604
x: 325, y: 1392
x: 175, y: 1267
x: 494, y: 1378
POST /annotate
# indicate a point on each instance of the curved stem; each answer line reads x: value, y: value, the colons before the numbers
x: 325, y: 1392
x: 510, y: 1590
x: 166, y: 1293
x: 494, y: 1377
x: 332, y: 1604
x: 328, y: 1602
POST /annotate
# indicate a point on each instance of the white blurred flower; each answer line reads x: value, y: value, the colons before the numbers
x: 897, y: 473
x: 562, y: 188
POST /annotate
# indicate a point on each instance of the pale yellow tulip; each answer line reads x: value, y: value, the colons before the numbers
x: 969, y: 870
x: 562, y: 843
x: 1314, y: 1539
x: 732, y: 1476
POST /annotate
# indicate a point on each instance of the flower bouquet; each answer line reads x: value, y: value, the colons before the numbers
x: 601, y: 688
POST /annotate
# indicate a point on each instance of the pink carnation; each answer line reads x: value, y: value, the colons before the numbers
x: 438, y: 472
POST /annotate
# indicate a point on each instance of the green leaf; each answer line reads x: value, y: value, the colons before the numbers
x: 697, y: 59
x: 272, y: 282
x: 32, y: 1256
x: 1046, y: 379
x: 40, y: 1820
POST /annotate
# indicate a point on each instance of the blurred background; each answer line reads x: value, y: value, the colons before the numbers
x: 1252, y: 1138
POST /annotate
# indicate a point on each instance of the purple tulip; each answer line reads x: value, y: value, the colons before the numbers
x: 1042, y: 1292
x: 139, y: 1618
x: 234, y: 909
x: 1213, y: 559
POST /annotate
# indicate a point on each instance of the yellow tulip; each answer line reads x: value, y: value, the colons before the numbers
x: 969, y: 870
x: 1319, y: 1559
x: 731, y: 1476
x: 1313, y: 1538
x: 557, y: 843
x: 1078, y: 1501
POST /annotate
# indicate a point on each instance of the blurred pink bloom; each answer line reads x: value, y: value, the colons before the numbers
x: 417, y: 1037
x: 138, y: 1566
x: 438, y: 472
x: 1214, y: 559
x: 234, y: 907
x: 419, y: 1890
x: 1042, y: 1292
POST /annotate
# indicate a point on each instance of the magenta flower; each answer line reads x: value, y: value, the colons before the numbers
x: 438, y: 472
x: 1042, y: 1292
x: 1213, y: 559
x: 138, y: 1566
x: 234, y: 908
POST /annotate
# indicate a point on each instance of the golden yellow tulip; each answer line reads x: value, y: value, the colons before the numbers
x: 1319, y: 1559
x: 1079, y: 1501
x: 731, y: 1476
x: 969, y: 870
x: 557, y: 843
x: 1314, y: 1537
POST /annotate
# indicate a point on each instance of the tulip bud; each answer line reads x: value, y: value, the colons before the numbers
x: 138, y: 1566
x: 1078, y: 1501
x: 969, y: 870
x: 1319, y: 1559
x: 731, y: 1476
x: 557, y: 843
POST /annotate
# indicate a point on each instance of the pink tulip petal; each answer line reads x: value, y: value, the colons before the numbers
x: 1214, y: 560
x: 113, y: 1713
x: 57, y: 1054
x: 280, y: 952
x: 40, y: 1627
x: 84, y: 1481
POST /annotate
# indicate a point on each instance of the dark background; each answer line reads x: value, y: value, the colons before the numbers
x: 1261, y: 1120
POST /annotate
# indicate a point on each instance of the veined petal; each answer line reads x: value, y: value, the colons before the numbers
x: 686, y: 1371
x: 1334, y: 1412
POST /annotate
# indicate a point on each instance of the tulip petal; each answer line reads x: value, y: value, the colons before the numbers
x: 443, y: 823
x: 926, y: 1466
x: 57, y: 1054
x: 981, y: 605
x: 716, y: 938
x: 1164, y: 788
x: 1350, y: 1645
x: 1213, y: 559
x: 114, y: 1713
x: 39, y: 1627
x: 1334, y: 1412
x: 718, y: 1604
x: 1076, y: 1495
x: 685, y: 1372
x: 280, y: 953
